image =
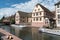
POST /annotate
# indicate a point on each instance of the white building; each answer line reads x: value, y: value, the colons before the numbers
x: 22, y: 17
x: 39, y: 14
x: 57, y: 9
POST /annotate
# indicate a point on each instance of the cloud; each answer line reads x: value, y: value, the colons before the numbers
x: 7, y: 11
x: 27, y: 6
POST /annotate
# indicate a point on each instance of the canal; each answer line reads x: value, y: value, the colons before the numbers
x: 28, y: 33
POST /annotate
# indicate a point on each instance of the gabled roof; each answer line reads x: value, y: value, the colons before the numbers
x: 44, y: 8
x: 24, y: 14
x: 54, y: 13
x: 57, y: 3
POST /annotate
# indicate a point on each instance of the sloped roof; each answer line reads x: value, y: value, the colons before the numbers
x: 30, y: 15
x: 54, y: 13
x: 57, y: 3
x: 45, y: 9
x: 24, y: 14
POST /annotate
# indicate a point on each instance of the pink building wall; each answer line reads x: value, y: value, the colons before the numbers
x: 37, y: 24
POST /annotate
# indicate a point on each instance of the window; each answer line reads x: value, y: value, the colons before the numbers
x: 35, y: 10
x: 36, y: 19
x: 23, y: 21
x: 40, y: 13
x: 46, y: 21
x: 17, y: 16
x: 58, y: 21
x: 58, y: 11
x: 33, y: 14
x: 38, y: 9
x: 17, y: 20
x: 36, y: 14
x: 33, y: 19
x: 58, y: 16
x: 57, y: 6
x: 23, y: 17
x: 40, y: 19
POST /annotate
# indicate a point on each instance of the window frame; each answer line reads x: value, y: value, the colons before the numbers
x: 58, y: 22
x: 59, y: 16
x: 37, y: 13
x: 37, y: 19
x: 58, y: 10
x: 40, y: 18
x: 57, y: 6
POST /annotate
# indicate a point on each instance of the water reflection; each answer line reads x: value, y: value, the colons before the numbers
x: 47, y: 36
x: 24, y: 33
x: 27, y: 33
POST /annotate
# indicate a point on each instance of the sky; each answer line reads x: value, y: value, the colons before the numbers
x: 10, y: 7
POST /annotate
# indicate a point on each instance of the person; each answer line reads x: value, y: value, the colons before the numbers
x: 10, y: 37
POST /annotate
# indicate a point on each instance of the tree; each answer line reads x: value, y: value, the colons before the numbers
x: 12, y: 21
x: 2, y: 19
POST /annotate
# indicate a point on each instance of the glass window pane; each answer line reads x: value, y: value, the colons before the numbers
x: 58, y: 11
x: 58, y: 21
x: 40, y: 19
x: 58, y: 16
x: 40, y: 13
x: 33, y: 19
x: 36, y: 19
x: 36, y: 14
x: 57, y: 6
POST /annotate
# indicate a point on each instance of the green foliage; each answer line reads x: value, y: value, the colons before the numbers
x: 2, y: 19
x: 12, y: 20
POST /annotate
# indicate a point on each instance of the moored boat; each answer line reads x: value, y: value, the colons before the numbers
x: 51, y: 31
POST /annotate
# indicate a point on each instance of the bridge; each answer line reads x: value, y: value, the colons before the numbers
x: 7, y: 34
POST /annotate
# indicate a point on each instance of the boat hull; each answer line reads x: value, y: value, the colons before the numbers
x: 50, y: 31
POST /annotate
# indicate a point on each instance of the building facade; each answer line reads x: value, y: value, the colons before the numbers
x: 22, y: 17
x: 40, y: 16
x: 57, y: 9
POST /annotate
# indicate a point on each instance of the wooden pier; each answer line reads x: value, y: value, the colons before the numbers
x: 7, y: 34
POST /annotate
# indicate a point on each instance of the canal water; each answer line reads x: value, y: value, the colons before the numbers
x: 28, y: 33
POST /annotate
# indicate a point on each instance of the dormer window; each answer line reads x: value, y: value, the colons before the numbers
x: 38, y: 9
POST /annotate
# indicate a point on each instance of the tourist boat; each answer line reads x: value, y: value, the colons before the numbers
x: 51, y: 31
x: 14, y: 25
x: 18, y: 26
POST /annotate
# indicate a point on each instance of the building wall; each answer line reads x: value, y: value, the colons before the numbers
x: 17, y: 18
x: 29, y: 20
x: 22, y: 18
x: 37, y: 16
x: 57, y: 15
